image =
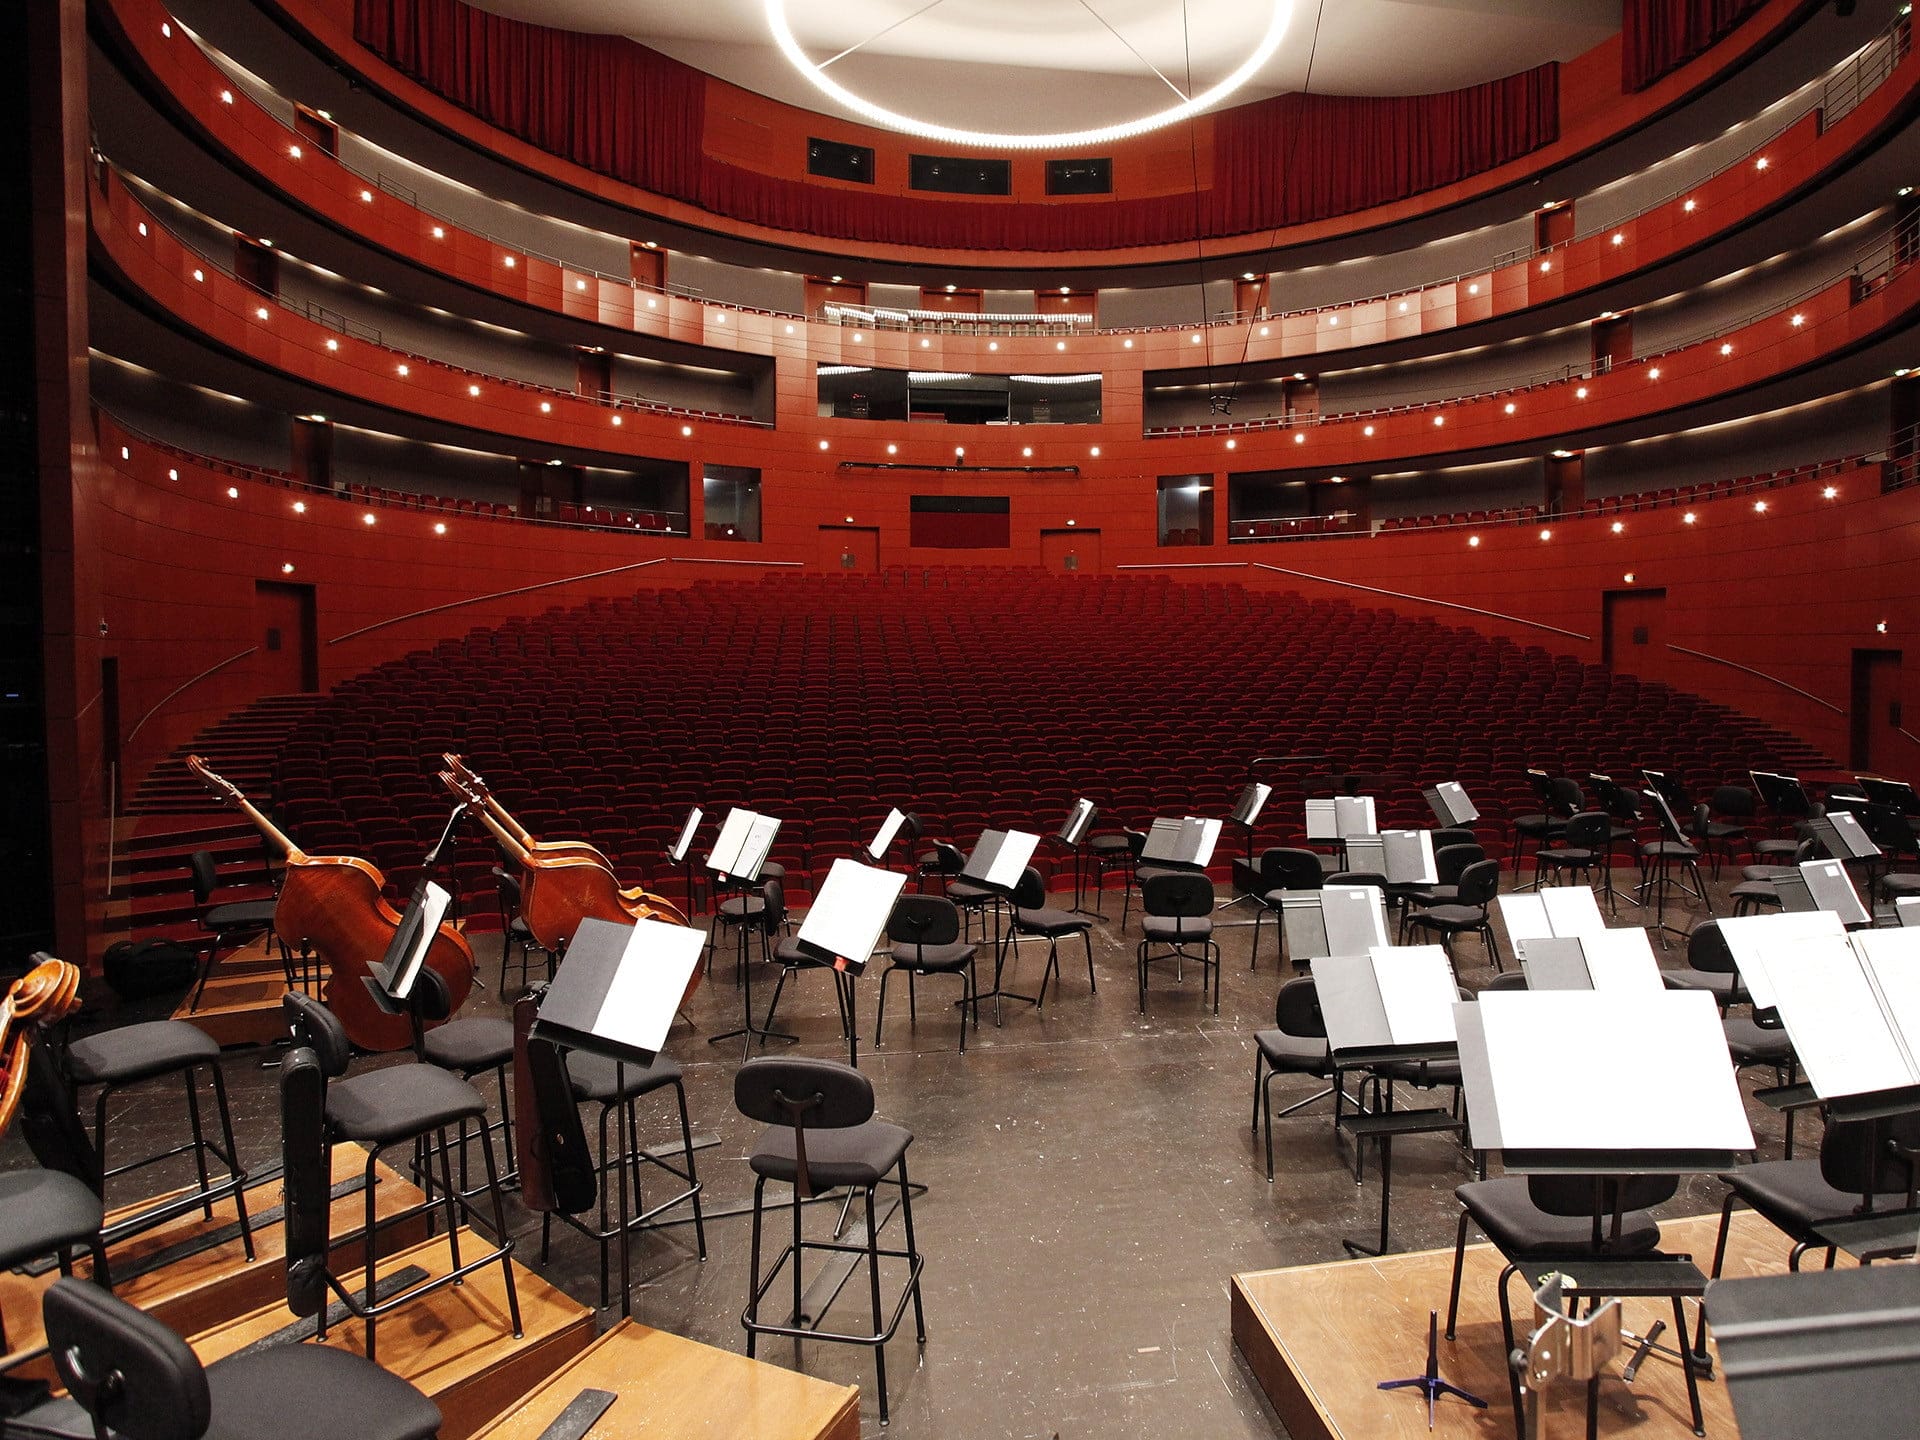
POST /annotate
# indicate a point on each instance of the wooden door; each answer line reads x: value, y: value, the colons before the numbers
x: 285, y: 660
x: 1633, y: 638
x: 1876, y: 717
x: 1076, y: 550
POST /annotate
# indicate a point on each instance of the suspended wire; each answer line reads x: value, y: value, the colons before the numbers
x: 1273, y: 236
x: 882, y: 34
x: 1186, y: 94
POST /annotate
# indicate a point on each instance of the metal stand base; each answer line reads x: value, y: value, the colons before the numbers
x: 1430, y: 1384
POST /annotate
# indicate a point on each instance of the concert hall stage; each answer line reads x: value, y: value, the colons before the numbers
x: 1319, y: 1339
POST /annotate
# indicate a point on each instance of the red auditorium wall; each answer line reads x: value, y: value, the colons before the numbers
x: 1789, y: 592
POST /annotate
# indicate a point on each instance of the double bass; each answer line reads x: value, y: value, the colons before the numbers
x: 561, y: 882
x: 333, y: 905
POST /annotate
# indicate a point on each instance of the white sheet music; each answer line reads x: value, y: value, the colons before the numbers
x: 1321, y: 824
x: 1892, y: 958
x: 1572, y: 911
x: 754, y: 848
x: 1755, y: 940
x: 1843, y: 1038
x: 1353, y: 814
x: 1355, y: 919
x: 1907, y: 908
x: 1542, y: 1105
x: 1621, y: 961
x: 1525, y: 917
x: 726, y: 845
x: 889, y: 828
x: 1832, y: 889
x: 1418, y: 991
x: 684, y: 841
x: 654, y: 969
x: 1078, y: 818
x: 1409, y: 857
x: 1252, y: 801
x: 1209, y: 837
x: 851, y: 910
x: 1015, y: 852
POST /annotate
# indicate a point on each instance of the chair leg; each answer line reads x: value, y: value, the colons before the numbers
x: 873, y: 1289
x: 913, y: 1251
x: 880, y: 1012
x: 1686, y: 1365
x: 199, y: 1141
x: 1459, y: 1264
x: 1259, y: 1066
x: 686, y: 1139
x: 753, y: 1271
x: 1513, y: 1375
x: 1086, y: 939
x: 238, y: 1175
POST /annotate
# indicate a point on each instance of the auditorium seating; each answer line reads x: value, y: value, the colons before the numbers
x: 974, y: 696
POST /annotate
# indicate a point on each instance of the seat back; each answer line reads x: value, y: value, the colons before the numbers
x: 49, y: 1117
x: 1455, y: 835
x: 923, y: 920
x: 205, y: 878
x: 1707, y: 949
x: 1451, y: 861
x: 1583, y: 1194
x: 805, y: 1093
x: 1506, y: 980
x: 773, y: 906
x: 1296, y: 1009
x: 947, y: 858
x: 1178, y: 897
x: 1030, y: 892
x: 1564, y: 796
x: 1589, y: 830
x: 506, y: 889
x: 1288, y: 868
x: 130, y: 1373
x: 1480, y: 882
x: 318, y: 1028
x: 1864, y: 1157
x: 306, y: 1184
x: 1736, y: 802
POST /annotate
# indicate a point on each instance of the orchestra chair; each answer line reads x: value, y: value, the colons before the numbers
x: 468, y: 1046
x: 792, y: 959
x: 1110, y: 850
x: 130, y: 1376
x: 1470, y: 913
x: 1449, y: 863
x: 321, y: 1106
x: 223, y: 923
x: 1581, y: 1223
x: 1034, y: 919
x: 514, y: 931
x: 1296, y: 1045
x: 1584, y: 850
x: 822, y: 1135
x: 925, y: 939
x: 1282, y: 868
x: 49, y: 1212
x: 971, y: 899
x: 1710, y: 966
x: 131, y: 1055
x: 1176, y: 910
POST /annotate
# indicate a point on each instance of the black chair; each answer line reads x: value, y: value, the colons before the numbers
x: 469, y: 1046
x: 615, y: 1088
x: 792, y: 959
x: 1583, y: 849
x: 1033, y: 918
x: 744, y: 914
x: 1660, y: 859
x: 1109, y: 851
x: 321, y: 1106
x: 1545, y: 824
x: 1450, y: 862
x: 822, y: 1135
x: 1176, y: 911
x: 1736, y: 809
x: 514, y: 931
x: 970, y: 899
x: 1471, y: 913
x: 925, y: 935
x: 228, y: 926
x: 48, y: 1212
x: 1710, y: 966
x: 151, y: 1050
x: 1282, y: 868
x: 129, y: 1376
x: 1296, y: 1045
x: 1586, y: 1225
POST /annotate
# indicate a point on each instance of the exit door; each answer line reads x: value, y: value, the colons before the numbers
x: 1875, y: 716
x: 1633, y: 635
x: 850, y: 549
x: 1075, y: 551
x: 285, y: 657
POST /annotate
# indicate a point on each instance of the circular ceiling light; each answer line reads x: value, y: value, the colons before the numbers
x: 999, y: 140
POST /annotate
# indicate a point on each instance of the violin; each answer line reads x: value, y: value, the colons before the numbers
x: 563, y: 883
x: 333, y: 905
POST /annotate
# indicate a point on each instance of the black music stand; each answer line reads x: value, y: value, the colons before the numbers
x: 615, y: 995
x: 999, y: 859
x: 884, y: 837
x: 1525, y: 1101
x: 390, y: 981
x: 1895, y: 794
x: 738, y: 853
x: 680, y: 852
x: 1391, y: 1004
x: 1245, y: 814
x: 1333, y: 920
x: 1660, y: 878
x: 1451, y: 805
x: 1339, y: 817
x: 1073, y: 834
x: 843, y: 928
x: 1619, y: 807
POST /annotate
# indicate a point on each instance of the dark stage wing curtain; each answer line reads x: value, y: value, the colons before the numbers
x: 626, y: 111
x: 1659, y: 36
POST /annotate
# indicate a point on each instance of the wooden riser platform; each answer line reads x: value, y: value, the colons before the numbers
x: 671, y: 1388
x: 241, y: 1004
x: 210, y: 1286
x: 456, y: 1345
x: 1319, y: 1338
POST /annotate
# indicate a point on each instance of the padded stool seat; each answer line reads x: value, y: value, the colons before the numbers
x: 965, y: 892
x: 313, y: 1392
x: 1170, y: 928
x: 473, y: 1042
x: 1522, y: 1231
x: 943, y: 958
x: 593, y: 1077
x: 1306, y: 1054
x: 42, y: 1211
x: 400, y: 1102
x: 1051, y: 922
x: 138, y: 1052
x: 1750, y: 1043
x: 857, y: 1155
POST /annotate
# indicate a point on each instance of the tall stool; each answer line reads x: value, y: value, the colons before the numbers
x: 48, y: 1212
x: 821, y: 1135
x: 614, y: 1087
x: 320, y: 1106
x: 115, y: 1059
x: 469, y: 1047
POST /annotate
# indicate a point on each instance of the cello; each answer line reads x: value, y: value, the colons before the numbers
x: 333, y: 904
x: 565, y: 883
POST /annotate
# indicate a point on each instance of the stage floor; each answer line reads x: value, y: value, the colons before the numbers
x: 1319, y: 1338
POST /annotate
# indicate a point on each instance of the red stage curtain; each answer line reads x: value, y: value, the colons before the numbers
x: 1659, y: 36
x: 626, y: 111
